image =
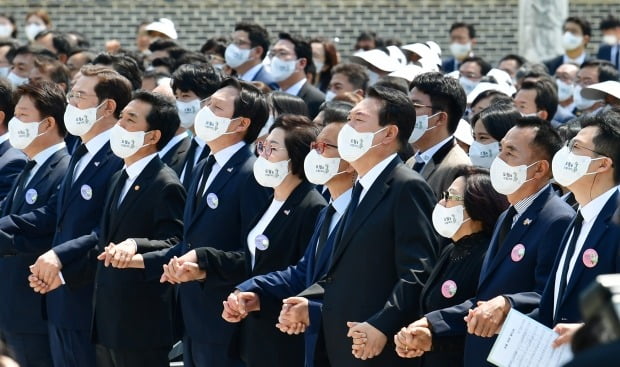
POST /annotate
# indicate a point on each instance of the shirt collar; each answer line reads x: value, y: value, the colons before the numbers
x: 97, y: 142
x: 295, y: 88
x: 46, y: 153
x: 249, y: 75
x: 525, y: 203
x: 591, y: 210
x: 223, y: 156
x: 4, y: 137
x: 579, y: 60
x: 341, y: 203
x: 200, y: 141
x: 427, y: 155
x: 371, y: 176
x: 138, y: 166
x: 174, y: 141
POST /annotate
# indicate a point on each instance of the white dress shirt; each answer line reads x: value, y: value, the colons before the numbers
x: 578, y: 61
x: 295, y: 88
x: 42, y: 157
x: 221, y: 158
x: 427, y: 155
x: 93, y: 146
x: 260, y: 227
x: 590, y: 212
x: 133, y: 172
x: 249, y: 75
x: 371, y: 176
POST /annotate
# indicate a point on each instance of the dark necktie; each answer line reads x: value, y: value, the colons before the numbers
x: 324, y: 233
x: 506, y: 226
x: 355, y: 198
x: 75, y: 158
x: 203, y: 181
x: 189, y: 163
x: 418, y: 166
x: 21, y: 183
x: 569, y: 254
x: 118, y: 190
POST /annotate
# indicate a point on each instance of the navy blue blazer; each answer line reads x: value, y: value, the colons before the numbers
x: 604, y: 238
x: 12, y: 162
x: 20, y: 309
x: 294, y: 279
x: 520, y: 276
x: 264, y: 76
x: 239, y: 199
x: 77, y: 231
x: 175, y: 157
x: 604, y: 53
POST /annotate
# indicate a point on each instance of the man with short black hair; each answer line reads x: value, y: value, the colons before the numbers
x: 471, y: 71
x: 56, y: 42
x: 51, y: 70
x: 537, y: 98
x: 510, y: 64
x: 124, y: 65
x: 246, y: 52
x: 12, y: 161
x: 440, y: 103
x: 290, y: 59
x: 592, y: 72
x: 462, y: 38
x: 608, y: 50
x: 577, y: 33
x: 347, y: 77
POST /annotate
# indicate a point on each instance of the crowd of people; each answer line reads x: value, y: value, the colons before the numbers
x: 267, y: 203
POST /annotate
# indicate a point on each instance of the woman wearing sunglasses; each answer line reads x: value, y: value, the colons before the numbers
x: 466, y: 214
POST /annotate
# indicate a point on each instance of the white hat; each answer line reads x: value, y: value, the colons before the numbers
x: 397, y: 53
x: 601, y: 90
x: 434, y: 46
x: 464, y: 132
x: 428, y: 56
x: 163, y: 25
x: 378, y: 59
x: 503, y: 79
x: 485, y: 86
x: 408, y: 72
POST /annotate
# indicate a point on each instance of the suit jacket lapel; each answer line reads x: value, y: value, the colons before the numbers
x: 365, y: 208
x: 4, y: 147
x: 38, y: 178
x: 599, y: 228
x: 177, y: 151
x: 519, y: 228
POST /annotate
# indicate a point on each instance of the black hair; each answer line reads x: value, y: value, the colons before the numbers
x: 79, y: 40
x: 356, y: 74
x: 547, y: 141
x: 48, y: 99
x: 110, y: 85
x: 189, y: 57
x: 167, y: 62
x: 7, y: 103
x: 251, y: 103
x: 161, y: 44
x: 29, y: 50
x: 299, y: 133
x: 531, y: 70
x: 60, y: 41
x: 124, y: 64
x: 446, y: 95
x: 606, y: 70
x: 569, y: 130
x: 546, y: 96
x: 485, y: 67
x: 302, y: 48
x: 282, y: 103
x: 470, y: 28
x: 396, y: 109
x: 518, y: 58
x: 202, y: 79
x: 394, y: 82
x: 496, y: 97
x: 335, y: 111
x: 257, y: 34
x: 216, y: 45
x: 57, y: 71
x: 609, y: 22
x: 608, y: 136
x: 163, y: 115
x: 497, y: 119
x: 586, y: 29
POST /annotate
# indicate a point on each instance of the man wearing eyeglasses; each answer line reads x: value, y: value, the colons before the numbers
x: 439, y: 103
x: 245, y: 55
x: 95, y: 102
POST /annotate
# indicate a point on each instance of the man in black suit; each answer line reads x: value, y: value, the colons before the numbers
x: 290, y: 59
x: 12, y: 161
x: 610, y: 27
x: 95, y: 102
x: 132, y: 317
x: 385, y: 242
x: 246, y: 52
x: 38, y: 130
x: 577, y: 33
x: 462, y: 38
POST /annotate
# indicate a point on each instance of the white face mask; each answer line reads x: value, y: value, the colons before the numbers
x: 22, y: 134
x: 78, y: 121
x: 447, y: 221
x: 318, y: 66
x: 4, y: 71
x: 33, y: 29
x: 482, y: 155
x: 16, y: 80
x: 352, y: 145
x: 460, y: 50
x: 5, y: 30
x: 507, y: 179
x: 610, y: 39
x: 581, y: 102
x: 188, y: 111
x: 565, y: 90
x: 420, y: 127
x: 372, y: 77
x: 269, y: 174
x: 568, y: 167
x: 209, y: 126
x: 236, y: 56
x: 467, y: 84
x: 329, y: 96
x: 126, y: 143
x: 570, y: 41
x: 319, y: 169
x: 282, y: 70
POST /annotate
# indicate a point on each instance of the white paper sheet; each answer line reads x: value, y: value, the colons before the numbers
x: 525, y: 342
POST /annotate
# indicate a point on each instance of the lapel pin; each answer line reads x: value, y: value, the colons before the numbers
x: 286, y: 212
x: 96, y: 164
x: 527, y: 222
x: 136, y: 188
x: 229, y: 169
